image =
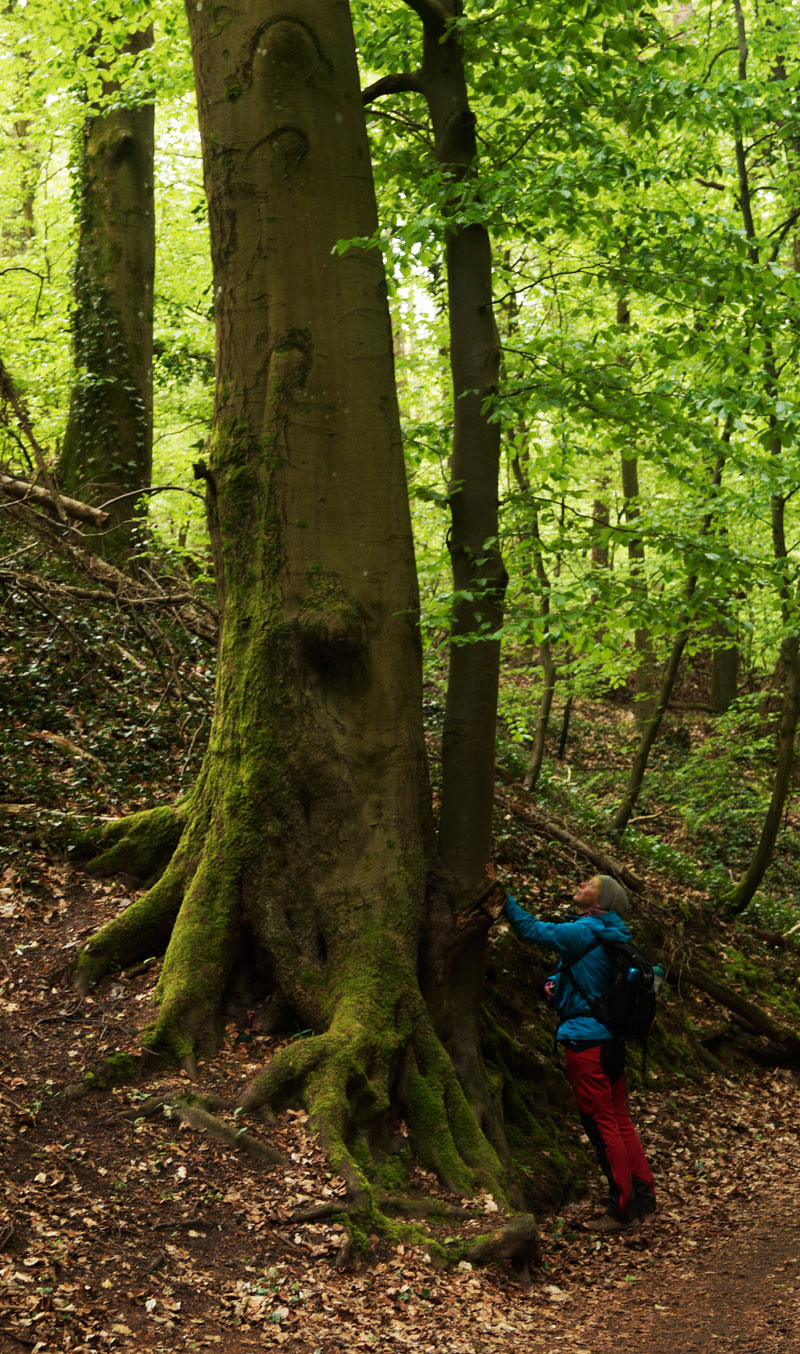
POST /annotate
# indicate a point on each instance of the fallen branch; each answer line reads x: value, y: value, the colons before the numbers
x: 10, y: 395
x: 23, y: 491
x: 198, y: 1117
x: 557, y: 832
x: 67, y: 745
x: 189, y: 610
x: 777, y: 939
x: 754, y: 1016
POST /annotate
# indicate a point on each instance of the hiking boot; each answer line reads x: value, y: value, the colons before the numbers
x: 609, y: 1223
x: 647, y: 1217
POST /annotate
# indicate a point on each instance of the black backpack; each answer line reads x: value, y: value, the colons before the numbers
x: 628, y: 1006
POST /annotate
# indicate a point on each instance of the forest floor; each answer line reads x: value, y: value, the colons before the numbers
x: 128, y: 1231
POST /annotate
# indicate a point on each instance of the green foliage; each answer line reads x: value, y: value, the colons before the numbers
x: 642, y: 315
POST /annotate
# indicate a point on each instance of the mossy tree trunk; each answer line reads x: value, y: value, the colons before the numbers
x: 305, y: 846
x: 108, y: 442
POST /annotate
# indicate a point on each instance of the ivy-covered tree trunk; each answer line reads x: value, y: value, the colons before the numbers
x: 108, y: 443
x: 304, y: 848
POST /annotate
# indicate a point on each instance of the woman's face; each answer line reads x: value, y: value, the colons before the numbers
x: 587, y: 895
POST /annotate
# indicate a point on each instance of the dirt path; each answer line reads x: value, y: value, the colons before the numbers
x: 728, y: 1290
x: 133, y: 1233
x: 741, y: 1292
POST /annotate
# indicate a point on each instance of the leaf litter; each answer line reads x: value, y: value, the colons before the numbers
x: 127, y: 1230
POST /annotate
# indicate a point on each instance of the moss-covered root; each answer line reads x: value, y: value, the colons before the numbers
x: 201, y: 953
x: 343, y: 1077
x: 516, y: 1242
x: 141, y: 930
x: 141, y: 844
x: 316, y: 1071
x: 444, y: 1131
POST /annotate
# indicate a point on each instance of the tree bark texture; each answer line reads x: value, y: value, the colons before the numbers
x: 453, y: 955
x: 302, y: 852
x: 108, y: 442
x: 724, y: 668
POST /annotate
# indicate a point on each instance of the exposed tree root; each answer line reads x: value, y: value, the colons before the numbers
x: 424, y: 1208
x: 141, y: 930
x: 516, y: 1242
x: 344, y: 1078
x: 201, y: 953
x: 198, y: 1117
x: 141, y: 844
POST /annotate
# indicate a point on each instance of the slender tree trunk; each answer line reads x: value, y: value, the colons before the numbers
x: 651, y: 729
x: 549, y: 674
x: 781, y: 784
x: 790, y: 705
x: 790, y: 648
x: 108, y: 443
x: 453, y: 959
x: 479, y: 577
x: 305, y: 844
x: 565, y: 721
x: 644, y: 672
x: 549, y: 669
x: 724, y: 669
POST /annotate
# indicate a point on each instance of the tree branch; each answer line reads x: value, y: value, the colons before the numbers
x: 23, y: 491
x: 9, y: 393
x: 433, y: 14
x: 755, y: 1017
x: 392, y: 84
x: 549, y: 828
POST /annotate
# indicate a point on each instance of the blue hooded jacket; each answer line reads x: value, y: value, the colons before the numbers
x: 595, y: 972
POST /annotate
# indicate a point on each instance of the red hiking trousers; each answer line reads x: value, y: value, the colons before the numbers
x: 597, y: 1077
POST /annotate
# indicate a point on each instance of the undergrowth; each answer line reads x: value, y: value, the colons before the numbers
x: 107, y: 709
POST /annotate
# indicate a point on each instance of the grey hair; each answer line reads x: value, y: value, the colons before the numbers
x: 612, y: 897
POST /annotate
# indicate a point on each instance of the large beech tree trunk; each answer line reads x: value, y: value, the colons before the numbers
x: 307, y: 840
x: 108, y: 442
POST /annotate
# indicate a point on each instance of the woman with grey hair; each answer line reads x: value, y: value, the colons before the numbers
x: 594, y: 1059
